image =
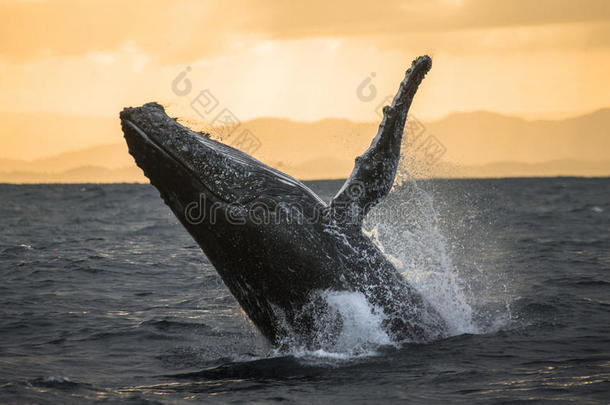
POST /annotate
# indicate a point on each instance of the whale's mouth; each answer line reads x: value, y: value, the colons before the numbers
x: 150, y: 141
x: 131, y: 129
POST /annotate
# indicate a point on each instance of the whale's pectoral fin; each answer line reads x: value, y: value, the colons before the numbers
x: 374, y: 171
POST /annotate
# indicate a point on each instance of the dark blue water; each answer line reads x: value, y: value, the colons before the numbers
x: 104, y: 297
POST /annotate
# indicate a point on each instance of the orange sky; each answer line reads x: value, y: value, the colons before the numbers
x: 545, y: 58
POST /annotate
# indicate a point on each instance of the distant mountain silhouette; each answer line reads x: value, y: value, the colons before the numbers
x: 482, y: 137
x: 35, y: 135
x: 476, y: 144
x: 112, y: 156
x: 85, y: 174
x: 518, y: 169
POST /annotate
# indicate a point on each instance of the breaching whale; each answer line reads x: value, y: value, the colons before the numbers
x: 277, y: 246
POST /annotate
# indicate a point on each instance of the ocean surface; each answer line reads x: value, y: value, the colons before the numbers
x: 104, y: 297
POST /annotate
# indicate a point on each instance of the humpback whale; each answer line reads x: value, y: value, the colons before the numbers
x: 276, y: 245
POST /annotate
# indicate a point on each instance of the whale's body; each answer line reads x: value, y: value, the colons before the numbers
x: 277, y: 246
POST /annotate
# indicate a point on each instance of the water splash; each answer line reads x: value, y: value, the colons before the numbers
x: 350, y: 327
x: 362, y: 321
x: 421, y: 242
x: 406, y: 228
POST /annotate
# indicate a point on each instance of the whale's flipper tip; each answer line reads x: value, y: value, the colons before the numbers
x: 375, y: 170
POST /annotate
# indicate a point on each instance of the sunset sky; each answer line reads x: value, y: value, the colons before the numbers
x: 305, y: 61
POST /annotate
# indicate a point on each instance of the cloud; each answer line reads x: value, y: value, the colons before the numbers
x: 190, y: 30
x: 349, y: 18
x: 185, y: 30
